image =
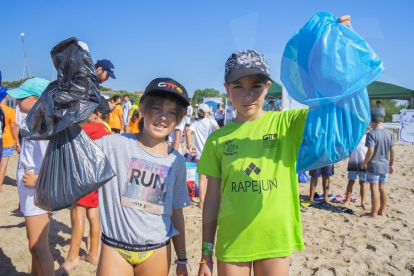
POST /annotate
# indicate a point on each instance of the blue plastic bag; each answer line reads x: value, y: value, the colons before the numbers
x: 327, y: 66
x: 302, y: 177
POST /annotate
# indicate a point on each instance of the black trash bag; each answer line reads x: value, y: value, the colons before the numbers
x: 73, y: 167
x: 71, y: 98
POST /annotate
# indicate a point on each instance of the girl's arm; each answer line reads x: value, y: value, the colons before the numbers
x: 179, y: 240
x: 210, y: 214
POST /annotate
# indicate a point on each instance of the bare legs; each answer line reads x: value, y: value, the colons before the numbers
x: 312, y: 187
x: 325, y: 186
x: 362, y: 191
x: 375, y: 199
x: 383, y: 198
x: 37, y: 228
x: 77, y: 214
x: 264, y: 267
x: 3, y: 167
x: 92, y: 215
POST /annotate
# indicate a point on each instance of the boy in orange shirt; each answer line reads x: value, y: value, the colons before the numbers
x: 9, y: 139
x: 115, y: 118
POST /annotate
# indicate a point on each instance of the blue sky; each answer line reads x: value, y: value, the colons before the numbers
x: 190, y: 40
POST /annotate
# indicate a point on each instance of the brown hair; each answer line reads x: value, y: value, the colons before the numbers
x: 201, y: 113
x: 156, y: 97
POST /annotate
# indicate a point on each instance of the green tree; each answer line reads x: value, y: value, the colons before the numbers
x: 103, y: 88
x: 199, y: 95
x: 14, y: 83
x: 390, y: 106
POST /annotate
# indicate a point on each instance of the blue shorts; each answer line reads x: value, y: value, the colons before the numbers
x: 324, y: 171
x: 377, y: 178
x: 7, y: 152
x: 352, y: 175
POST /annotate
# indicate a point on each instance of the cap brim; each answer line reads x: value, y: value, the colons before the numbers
x: 241, y: 73
x: 111, y: 74
x: 19, y: 93
x: 176, y: 95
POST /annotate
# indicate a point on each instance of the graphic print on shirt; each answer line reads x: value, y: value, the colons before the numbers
x: 146, y: 186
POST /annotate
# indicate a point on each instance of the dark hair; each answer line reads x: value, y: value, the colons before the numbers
x: 201, y: 113
x: 115, y: 98
x: 271, y: 102
x: 126, y: 95
x: 97, y: 65
x: 155, y: 97
x: 218, y: 105
x: 378, y: 102
x: 135, y: 115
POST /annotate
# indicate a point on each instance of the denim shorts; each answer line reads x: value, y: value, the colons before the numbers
x: 352, y: 175
x: 377, y: 178
x: 7, y: 152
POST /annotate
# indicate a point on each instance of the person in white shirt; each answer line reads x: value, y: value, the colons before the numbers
x: 219, y: 115
x: 354, y: 170
x: 125, y: 115
x: 189, y: 114
x: 201, y: 129
x: 196, y: 112
x: 230, y: 112
x: 174, y: 139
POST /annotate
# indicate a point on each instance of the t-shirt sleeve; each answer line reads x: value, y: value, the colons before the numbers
x: 370, y: 140
x: 214, y: 122
x: 392, y: 143
x: 297, y: 120
x: 210, y: 163
x: 180, y: 193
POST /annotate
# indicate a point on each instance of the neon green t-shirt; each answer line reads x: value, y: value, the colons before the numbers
x: 259, y: 214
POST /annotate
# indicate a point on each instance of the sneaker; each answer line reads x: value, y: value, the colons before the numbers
x: 317, y: 197
x: 331, y: 196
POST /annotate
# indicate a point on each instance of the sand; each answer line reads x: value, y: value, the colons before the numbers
x: 336, y: 244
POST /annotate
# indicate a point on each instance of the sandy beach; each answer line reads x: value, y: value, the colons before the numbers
x: 336, y: 243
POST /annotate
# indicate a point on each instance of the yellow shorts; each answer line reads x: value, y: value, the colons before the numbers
x: 133, y: 257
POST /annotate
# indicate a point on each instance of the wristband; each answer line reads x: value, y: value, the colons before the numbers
x: 181, y: 254
x: 207, y: 252
x: 204, y: 262
x: 208, y: 245
x: 182, y: 262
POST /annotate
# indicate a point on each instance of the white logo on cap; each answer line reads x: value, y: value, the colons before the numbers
x: 112, y: 69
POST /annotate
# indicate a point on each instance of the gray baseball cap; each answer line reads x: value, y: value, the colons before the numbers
x: 245, y: 63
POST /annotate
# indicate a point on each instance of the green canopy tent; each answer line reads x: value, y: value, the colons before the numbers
x: 376, y: 90
x: 274, y: 92
x: 382, y: 90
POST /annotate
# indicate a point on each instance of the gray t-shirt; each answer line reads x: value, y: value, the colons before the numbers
x: 382, y: 141
x: 156, y: 184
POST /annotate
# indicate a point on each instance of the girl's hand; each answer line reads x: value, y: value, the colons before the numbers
x: 29, y: 180
x: 181, y: 270
x: 207, y: 268
x: 346, y: 20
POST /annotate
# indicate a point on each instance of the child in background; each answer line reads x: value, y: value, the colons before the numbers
x: 379, y: 162
x: 355, y: 160
x: 134, y: 122
x: 201, y: 129
x: 140, y: 209
x: 88, y: 205
x: 253, y: 193
x: 37, y: 220
x: 174, y: 139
